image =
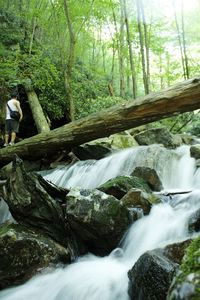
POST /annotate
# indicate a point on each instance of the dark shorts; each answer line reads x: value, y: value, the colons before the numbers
x: 11, y: 126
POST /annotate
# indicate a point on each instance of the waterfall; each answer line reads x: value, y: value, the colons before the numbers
x: 94, y: 278
x: 174, y: 167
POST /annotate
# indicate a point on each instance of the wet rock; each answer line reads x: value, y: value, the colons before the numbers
x: 186, y: 284
x: 24, y: 252
x: 188, y: 139
x: 195, y: 151
x: 151, y: 276
x: 101, y: 148
x: 194, y: 222
x: 150, y: 176
x: 98, y: 219
x: 197, y: 163
x: 136, y: 198
x: 92, y: 151
x: 158, y: 136
x: 120, y: 185
x: 176, y: 251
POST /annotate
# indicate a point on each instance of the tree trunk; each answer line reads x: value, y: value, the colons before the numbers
x: 183, y: 97
x: 32, y: 35
x: 113, y: 65
x: 121, y: 54
x: 37, y: 112
x: 130, y: 51
x: 179, y: 40
x: 70, y: 62
x: 184, y: 43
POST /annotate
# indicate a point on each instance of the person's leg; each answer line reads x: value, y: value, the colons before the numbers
x: 14, y: 130
x: 7, y: 130
x: 13, y: 137
x: 6, y: 138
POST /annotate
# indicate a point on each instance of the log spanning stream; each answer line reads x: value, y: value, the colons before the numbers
x: 94, y: 278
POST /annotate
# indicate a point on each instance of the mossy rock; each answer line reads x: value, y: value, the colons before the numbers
x: 120, y: 185
x: 98, y: 219
x: 186, y: 285
x: 135, y: 198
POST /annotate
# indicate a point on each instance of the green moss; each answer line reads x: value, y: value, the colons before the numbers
x: 191, y: 265
x: 125, y: 183
x: 191, y: 260
x: 5, y: 227
x: 154, y: 199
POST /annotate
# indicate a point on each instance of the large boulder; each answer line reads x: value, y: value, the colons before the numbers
x: 150, y: 176
x: 186, y: 284
x: 158, y: 136
x: 34, y: 202
x: 24, y: 252
x: 120, y: 185
x: 98, y: 219
x: 151, y: 276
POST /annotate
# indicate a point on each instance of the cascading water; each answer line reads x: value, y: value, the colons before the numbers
x: 94, y: 278
x: 4, y: 212
x: 175, y: 168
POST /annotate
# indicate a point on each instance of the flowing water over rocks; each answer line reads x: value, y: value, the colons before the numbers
x: 174, y: 167
x: 92, y: 277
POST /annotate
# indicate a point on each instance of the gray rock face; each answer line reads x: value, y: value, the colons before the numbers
x: 150, y: 176
x: 98, y: 219
x: 24, y: 252
x: 151, y: 276
x: 158, y: 136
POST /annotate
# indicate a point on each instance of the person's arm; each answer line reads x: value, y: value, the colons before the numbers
x: 17, y: 104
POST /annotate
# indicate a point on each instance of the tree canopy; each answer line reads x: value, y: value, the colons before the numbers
x: 83, y: 56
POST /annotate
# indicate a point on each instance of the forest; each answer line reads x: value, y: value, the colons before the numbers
x: 68, y: 59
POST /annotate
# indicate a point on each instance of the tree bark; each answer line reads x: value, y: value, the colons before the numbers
x: 180, y: 98
x: 37, y: 112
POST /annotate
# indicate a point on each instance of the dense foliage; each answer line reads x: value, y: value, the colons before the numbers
x: 80, y: 56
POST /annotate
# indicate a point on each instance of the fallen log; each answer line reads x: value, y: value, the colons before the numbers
x: 180, y: 98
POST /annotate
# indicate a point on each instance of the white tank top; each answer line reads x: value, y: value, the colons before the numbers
x: 12, y: 107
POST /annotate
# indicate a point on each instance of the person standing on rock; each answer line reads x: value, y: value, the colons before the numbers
x: 12, y: 125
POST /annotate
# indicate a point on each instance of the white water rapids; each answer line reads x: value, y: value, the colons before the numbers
x: 95, y: 278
